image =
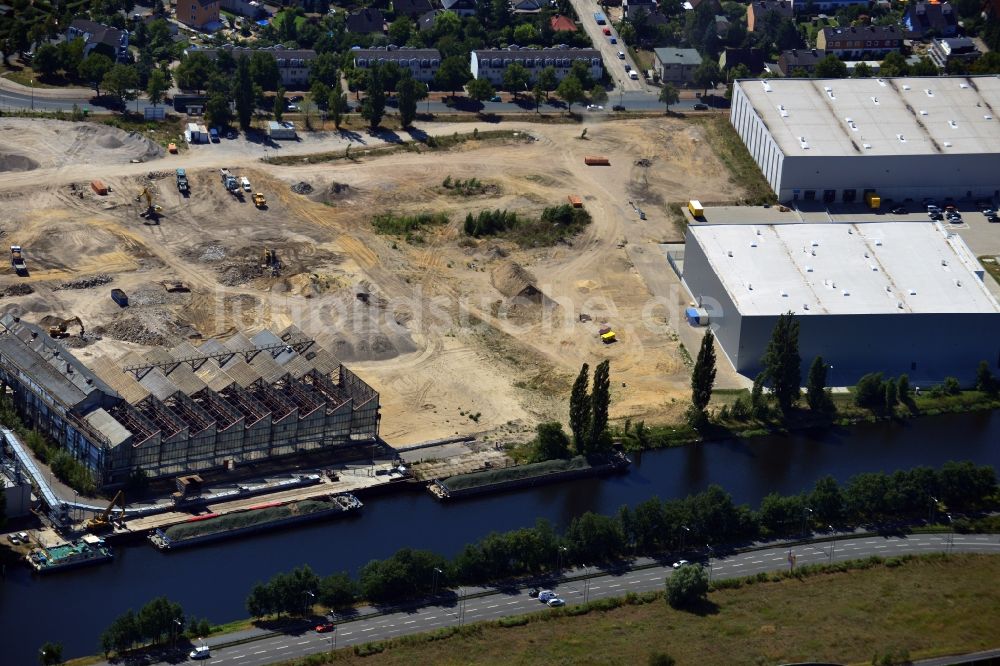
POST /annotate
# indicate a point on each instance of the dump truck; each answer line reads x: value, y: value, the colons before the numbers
x: 119, y: 297
x: 596, y: 160
x: 873, y: 200
x: 696, y: 209
x: 229, y: 182
x: 259, y: 200
x: 17, y: 260
x: 182, y: 182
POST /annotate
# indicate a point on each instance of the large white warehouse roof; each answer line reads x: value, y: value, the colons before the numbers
x: 867, y: 268
x: 888, y: 116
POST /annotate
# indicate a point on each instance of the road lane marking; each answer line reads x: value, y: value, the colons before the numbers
x: 615, y: 585
x: 281, y: 647
x: 757, y: 561
x: 260, y: 652
x: 347, y: 633
x: 302, y: 642
x: 493, y: 606
x: 369, y: 629
x: 239, y: 657
x: 410, y: 622
x: 513, y: 602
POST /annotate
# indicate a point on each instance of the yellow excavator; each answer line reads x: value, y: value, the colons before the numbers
x: 152, y: 209
x: 103, y: 521
x: 60, y: 330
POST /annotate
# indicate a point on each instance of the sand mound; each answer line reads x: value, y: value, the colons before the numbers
x: 109, y: 142
x: 513, y: 280
x: 17, y: 163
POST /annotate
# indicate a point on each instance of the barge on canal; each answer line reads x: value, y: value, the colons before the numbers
x: 213, y: 527
x: 87, y: 550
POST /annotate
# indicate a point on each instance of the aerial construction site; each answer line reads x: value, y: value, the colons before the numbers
x: 247, y: 308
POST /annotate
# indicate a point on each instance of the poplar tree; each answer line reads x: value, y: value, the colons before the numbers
x: 782, y: 363
x: 600, y: 400
x: 703, y: 375
x: 579, y: 410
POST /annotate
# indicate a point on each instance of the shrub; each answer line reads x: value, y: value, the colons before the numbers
x: 405, y: 225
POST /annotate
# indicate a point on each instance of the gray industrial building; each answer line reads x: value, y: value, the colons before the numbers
x: 187, y: 409
x: 837, y: 139
x: 895, y: 297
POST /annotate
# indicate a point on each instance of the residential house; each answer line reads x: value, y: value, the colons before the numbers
x: 490, y: 64
x: 825, y: 6
x: 855, y: 42
x: 721, y: 26
x: 950, y: 49
x: 631, y: 8
x: 411, y: 8
x: 804, y: 59
x: 249, y: 8
x: 293, y: 64
x: 98, y: 38
x: 365, y: 21
x: 198, y: 14
x: 460, y: 7
x: 560, y: 23
x: 426, y: 21
x: 924, y: 19
x: 422, y: 63
x: 758, y: 10
x: 675, y: 65
x: 527, y: 6
x: 716, y: 4
x: 752, y: 59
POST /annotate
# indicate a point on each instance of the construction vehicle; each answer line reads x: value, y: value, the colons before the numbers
x: 873, y: 200
x: 60, y: 330
x: 152, y: 209
x: 176, y: 287
x: 119, y: 297
x: 259, y: 200
x: 229, y: 182
x: 105, y: 520
x: 17, y: 260
x: 182, y: 182
x: 269, y: 260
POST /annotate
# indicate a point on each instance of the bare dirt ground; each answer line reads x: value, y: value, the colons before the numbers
x: 421, y: 321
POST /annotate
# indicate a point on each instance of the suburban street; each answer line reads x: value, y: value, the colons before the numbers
x: 478, y: 604
x: 615, y: 66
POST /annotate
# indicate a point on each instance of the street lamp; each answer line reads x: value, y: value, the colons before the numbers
x: 833, y: 547
x: 930, y: 511
x: 312, y: 596
x: 437, y: 572
x: 32, y: 94
x: 179, y: 625
x: 683, y: 535
x: 804, y: 514
x: 586, y: 583
x: 951, y: 533
x: 562, y: 549
x: 711, y: 554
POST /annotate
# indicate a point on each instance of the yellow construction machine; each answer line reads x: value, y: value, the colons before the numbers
x: 103, y: 521
x: 259, y: 200
x: 60, y: 330
x: 152, y: 209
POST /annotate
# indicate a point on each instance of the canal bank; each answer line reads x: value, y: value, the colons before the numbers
x: 89, y: 599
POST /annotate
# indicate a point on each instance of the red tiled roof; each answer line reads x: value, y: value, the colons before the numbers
x: 561, y: 23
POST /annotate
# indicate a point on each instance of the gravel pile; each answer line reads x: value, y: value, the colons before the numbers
x: 302, y: 187
x: 213, y: 253
x: 644, y: 162
x: 133, y: 330
x: 87, y: 282
x: 147, y: 296
x: 18, y: 290
x: 238, y: 274
x: 157, y: 175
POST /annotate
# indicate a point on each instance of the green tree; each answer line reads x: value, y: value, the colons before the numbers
x: 158, y: 619
x: 243, y: 92
x: 337, y: 105
x: 668, y: 95
x: 400, y: 30
x: 516, y: 78
x: 827, y: 501
x: 891, y: 396
x: 598, y: 95
x: 869, y: 392
x: 373, y: 106
x: 548, y: 79
x: 71, y: 55
x: 924, y: 67
x: 985, y: 381
x: 480, y: 90
x: 194, y: 72
x: 525, y: 34
x: 687, y: 586
x: 325, y: 68
x: 46, y: 61
x: 831, y: 67
x: 903, y: 388
x: 259, y: 602
x: 707, y: 75
x: 319, y: 93
x: 551, y: 441
x: 122, y: 82
x: 279, y: 104
x: 337, y: 591
x: 816, y: 394
x: 409, y: 91
x: 600, y: 402
x: 782, y: 363
x: 93, y: 68
x: 452, y: 74
x: 894, y: 64
x: 570, y: 90
x: 703, y: 374
x: 580, y: 410
x: 988, y: 63
x: 217, y: 110
x: 539, y: 95
x: 157, y: 87
x: 264, y: 70
x: 862, y: 71
x: 50, y: 654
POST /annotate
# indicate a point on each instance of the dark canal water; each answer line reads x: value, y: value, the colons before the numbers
x: 212, y: 581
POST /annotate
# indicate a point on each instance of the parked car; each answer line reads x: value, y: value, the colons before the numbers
x: 296, y: 98
x: 613, y: 40
x: 618, y: 107
x: 700, y: 107
x: 936, y: 215
x: 992, y: 218
x: 13, y: 539
x: 245, y: 184
x: 496, y: 98
x: 231, y: 134
x: 680, y: 563
x: 621, y: 56
x: 555, y: 602
x: 628, y: 67
x: 326, y: 627
x: 533, y: 592
x: 214, y: 134
x: 594, y: 107
x: 988, y: 211
x: 23, y: 536
x: 633, y: 75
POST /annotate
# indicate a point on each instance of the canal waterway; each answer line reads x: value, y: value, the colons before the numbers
x: 212, y: 581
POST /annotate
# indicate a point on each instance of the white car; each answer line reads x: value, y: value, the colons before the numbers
x: 546, y: 595
x: 632, y: 75
x: 680, y: 563
x: 555, y: 602
x: 245, y: 182
x: 621, y: 55
x: 200, y: 652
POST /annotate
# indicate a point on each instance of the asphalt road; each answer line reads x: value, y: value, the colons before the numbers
x: 615, y: 66
x: 493, y: 604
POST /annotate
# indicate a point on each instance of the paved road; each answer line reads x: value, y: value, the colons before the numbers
x: 492, y: 604
x: 615, y: 66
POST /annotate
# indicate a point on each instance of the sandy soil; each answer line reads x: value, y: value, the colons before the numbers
x: 422, y: 321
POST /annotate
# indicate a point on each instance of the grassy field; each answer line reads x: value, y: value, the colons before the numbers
x: 920, y: 608
x: 726, y: 143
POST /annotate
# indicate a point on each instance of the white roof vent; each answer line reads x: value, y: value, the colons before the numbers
x: 853, y: 125
x: 922, y: 112
x: 729, y: 253
x: 944, y: 262
x: 846, y: 293
x: 812, y: 252
x: 881, y: 82
x: 749, y: 287
x: 809, y: 269
x: 930, y: 93
x: 878, y: 243
x: 756, y: 231
x: 963, y: 85
x: 947, y: 144
x: 782, y: 110
x: 913, y: 292
x: 803, y: 143
x: 850, y: 231
x: 828, y: 88
x: 906, y: 87
x: 901, y: 139
x: 767, y: 86
x: 805, y: 306
x: 899, y: 304
x: 875, y: 100
x: 888, y: 288
x: 873, y: 267
x: 815, y: 243
x: 753, y: 243
x: 784, y: 294
x: 867, y: 255
x: 958, y: 283
x: 987, y: 117
x: 867, y: 146
x: 952, y: 124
